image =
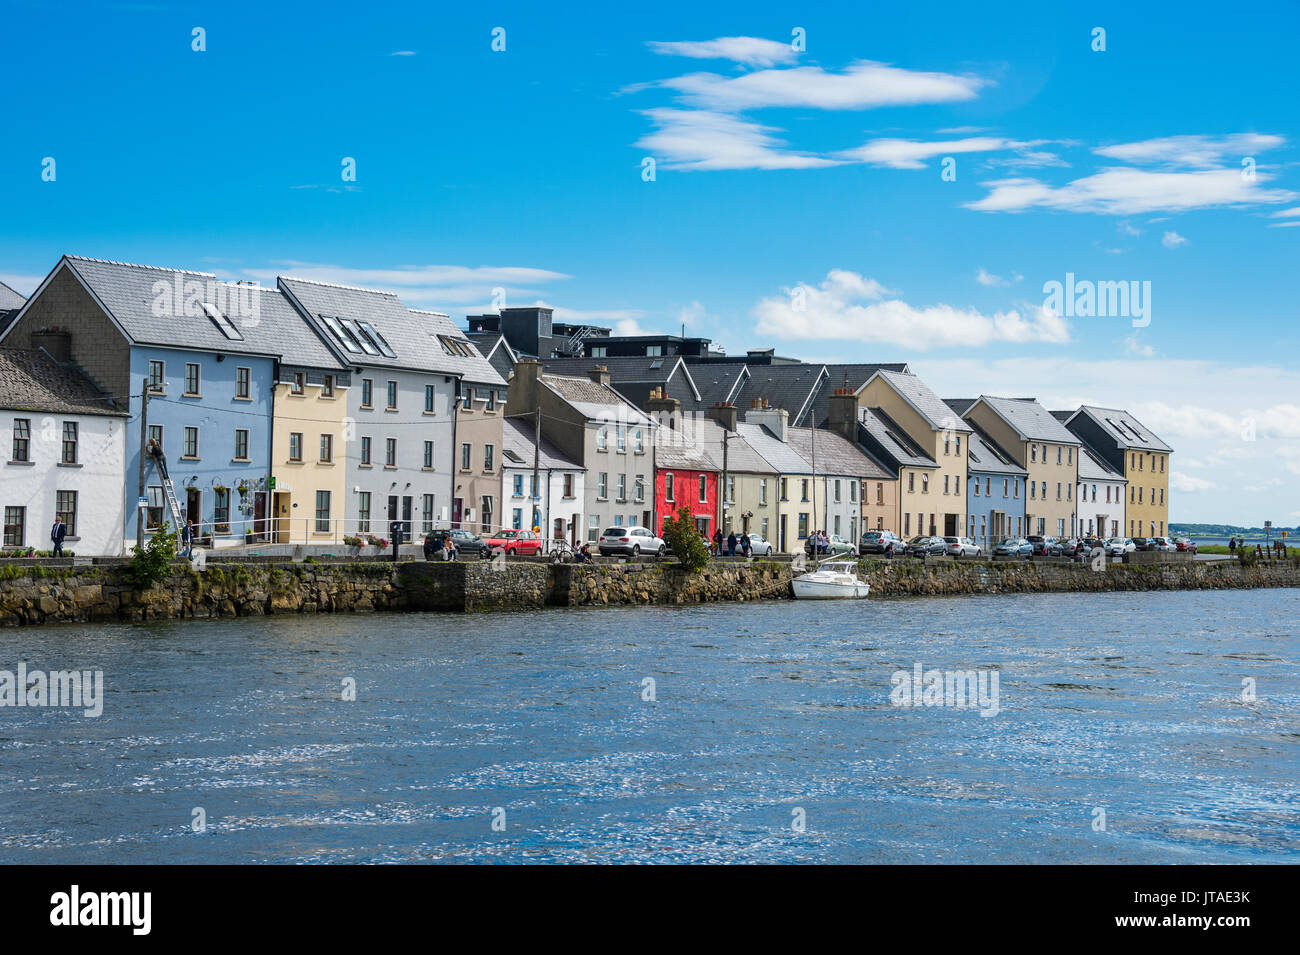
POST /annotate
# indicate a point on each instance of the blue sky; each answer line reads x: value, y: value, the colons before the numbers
x: 798, y: 198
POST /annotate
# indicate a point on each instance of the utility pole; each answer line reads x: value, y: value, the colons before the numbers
x: 537, y: 451
x: 722, y: 487
x: 144, y: 433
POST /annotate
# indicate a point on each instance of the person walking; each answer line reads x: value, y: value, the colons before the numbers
x: 187, y: 539
x: 731, y: 544
x: 1232, y: 545
x: 57, y: 533
x: 717, y: 542
x: 746, y: 549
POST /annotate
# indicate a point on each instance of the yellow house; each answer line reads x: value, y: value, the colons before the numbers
x: 929, y: 442
x: 1134, y: 450
x: 308, y: 456
x: 1046, y: 449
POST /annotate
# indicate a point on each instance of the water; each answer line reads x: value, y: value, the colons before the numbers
x: 1127, y: 702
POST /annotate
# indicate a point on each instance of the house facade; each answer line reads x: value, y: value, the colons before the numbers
x: 995, y: 492
x: 65, y: 450
x: 540, y: 486
x: 1048, y: 452
x: 847, y: 478
x: 1131, y: 449
x: 1101, y: 496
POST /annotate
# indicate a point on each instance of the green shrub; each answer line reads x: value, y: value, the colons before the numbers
x: 151, y: 563
x: 685, y: 540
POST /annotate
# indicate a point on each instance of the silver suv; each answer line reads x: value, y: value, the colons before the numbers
x: 630, y: 542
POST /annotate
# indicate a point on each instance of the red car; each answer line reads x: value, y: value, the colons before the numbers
x: 1183, y: 544
x: 513, y: 542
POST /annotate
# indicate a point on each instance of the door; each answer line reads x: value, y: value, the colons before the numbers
x: 950, y: 525
x: 283, y: 524
x: 782, y: 542
x: 193, y: 512
x: 259, y: 514
x: 406, y: 517
x: 456, y: 506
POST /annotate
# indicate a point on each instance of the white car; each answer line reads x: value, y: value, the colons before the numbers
x: 1119, y: 546
x: 960, y: 547
x: 758, y: 547
x: 630, y: 542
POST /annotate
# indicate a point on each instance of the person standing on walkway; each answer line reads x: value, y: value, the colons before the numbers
x: 57, y: 533
x: 731, y: 544
x: 187, y: 539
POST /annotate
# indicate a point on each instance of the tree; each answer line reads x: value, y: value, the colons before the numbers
x: 685, y: 540
x: 152, y: 562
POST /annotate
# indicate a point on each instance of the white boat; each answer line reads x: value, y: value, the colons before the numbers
x: 833, y: 580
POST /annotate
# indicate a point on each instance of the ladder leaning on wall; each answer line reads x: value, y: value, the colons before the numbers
x: 169, y: 491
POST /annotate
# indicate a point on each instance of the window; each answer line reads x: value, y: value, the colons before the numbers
x: 976, y: 488
x: 1059, y: 449
x: 224, y: 324
x: 426, y: 513
x: 367, y: 393
x: 837, y: 490
x: 946, y: 483
x: 911, y: 481
x: 363, y: 511
x: 602, y: 485
x: 428, y: 454
x: 156, y: 434
x: 620, y: 439
x: 804, y: 491
x: 1015, y: 489
x: 327, y: 387
x: 1069, y: 455
x: 593, y: 527
x: 322, y: 512
x: 365, y: 450
x: 69, y: 442
x: 880, y: 492
x: 956, y: 484
x: 243, y: 387
x: 157, y: 376
x: 153, y: 511
x: 327, y: 449
x: 15, y: 526
x: 1069, y: 492
x: 1033, y: 490
x: 390, y: 452
x: 191, y: 378
x: 517, y: 485
x: 485, y: 518
x: 65, y: 510
x: 568, y: 485
x: 220, y: 509
x: 947, y: 445
x: 762, y: 491
x: 958, y: 439
x: 191, y: 443
x: 517, y: 518
x: 622, y: 487
x: 638, y: 444
x: 466, y: 450
x: 428, y: 399
x: 853, y: 492
x: 392, y: 396
x: 803, y: 523
x: 763, y: 529
x: 491, y: 403
x: 638, y: 487
x: 489, y: 457
x: 1033, y: 453
x: 1060, y: 527
x: 731, y: 489
x: 1058, y: 490
x: 241, y: 444
x: 602, y: 438
x: 299, y: 385
x: 704, y: 489
x: 455, y: 346
x: 925, y: 484
x: 668, y: 487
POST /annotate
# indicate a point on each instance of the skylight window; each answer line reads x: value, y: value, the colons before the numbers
x: 513, y: 456
x: 366, y: 344
x: 224, y: 324
x: 345, y: 338
x: 378, y: 339
x: 657, y: 363
x: 455, y: 346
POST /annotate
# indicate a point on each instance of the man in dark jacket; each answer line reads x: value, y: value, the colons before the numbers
x: 57, y: 533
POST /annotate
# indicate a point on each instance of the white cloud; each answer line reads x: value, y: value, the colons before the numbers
x: 1172, y: 240
x: 1203, y: 152
x: 1186, y: 483
x: 862, y: 85
x: 751, y: 51
x: 912, y: 154
x: 692, y: 315
x: 1125, y: 191
x: 21, y: 283
x: 402, y: 53
x: 1133, y: 347
x: 700, y: 139
x: 1286, y: 213
x: 835, y: 310
x: 1127, y: 229
x: 988, y: 279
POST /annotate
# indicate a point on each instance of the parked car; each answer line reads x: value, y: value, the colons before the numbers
x: 1072, y: 547
x: 759, y: 547
x: 467, y: 544
x: 881, y: 542
x: 1185, y: 545
x: 512, y: 542
x: 630, y: 541
x: 1045, y: 546
x: 1119, y: 546
x: 1162, y: 543
x: 1141, y: 543
x: 926, y: 547
x: 962, y: 547
x: 1013, y: 547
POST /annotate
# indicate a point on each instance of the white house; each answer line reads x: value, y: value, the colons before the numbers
x: 1100, y: 496
x: 65, y: 453
x: 555, y: 505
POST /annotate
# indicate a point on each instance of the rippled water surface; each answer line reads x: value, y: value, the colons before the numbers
x: 1130, y: 703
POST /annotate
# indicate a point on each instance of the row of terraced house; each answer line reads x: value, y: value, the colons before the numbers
x: 309, y: 412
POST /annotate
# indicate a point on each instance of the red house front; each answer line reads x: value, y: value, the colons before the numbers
x: 697, y: 490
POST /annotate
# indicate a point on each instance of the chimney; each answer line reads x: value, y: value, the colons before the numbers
x: 600, y: 375
x: 724, y: 413
x: 665, y: 410
x: 523, y: 394
x: 774, y: 419
x: 54, y: 340
x: 842, y: 413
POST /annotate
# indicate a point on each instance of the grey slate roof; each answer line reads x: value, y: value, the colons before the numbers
x: 33, y: 381
x: 632, y: 375
x: 9, y: 299
x: 988, y: 457
x: 829, y: 452
x: 494, y: 347
x: 690, y: 447
x: 924, y: 401
x: 717, y: 381
x: 1126, y: 430
x: 1093, y: 467
x: 1030, y: 420
x: 780, y: 457
x: 412, y: 334
x: 792, y: 387
x: 856, y: 375
x: 893, y: 439
x: 960, y: 405
x: 517, y: 437
x: 128, y: 293
x: 592, y: 399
